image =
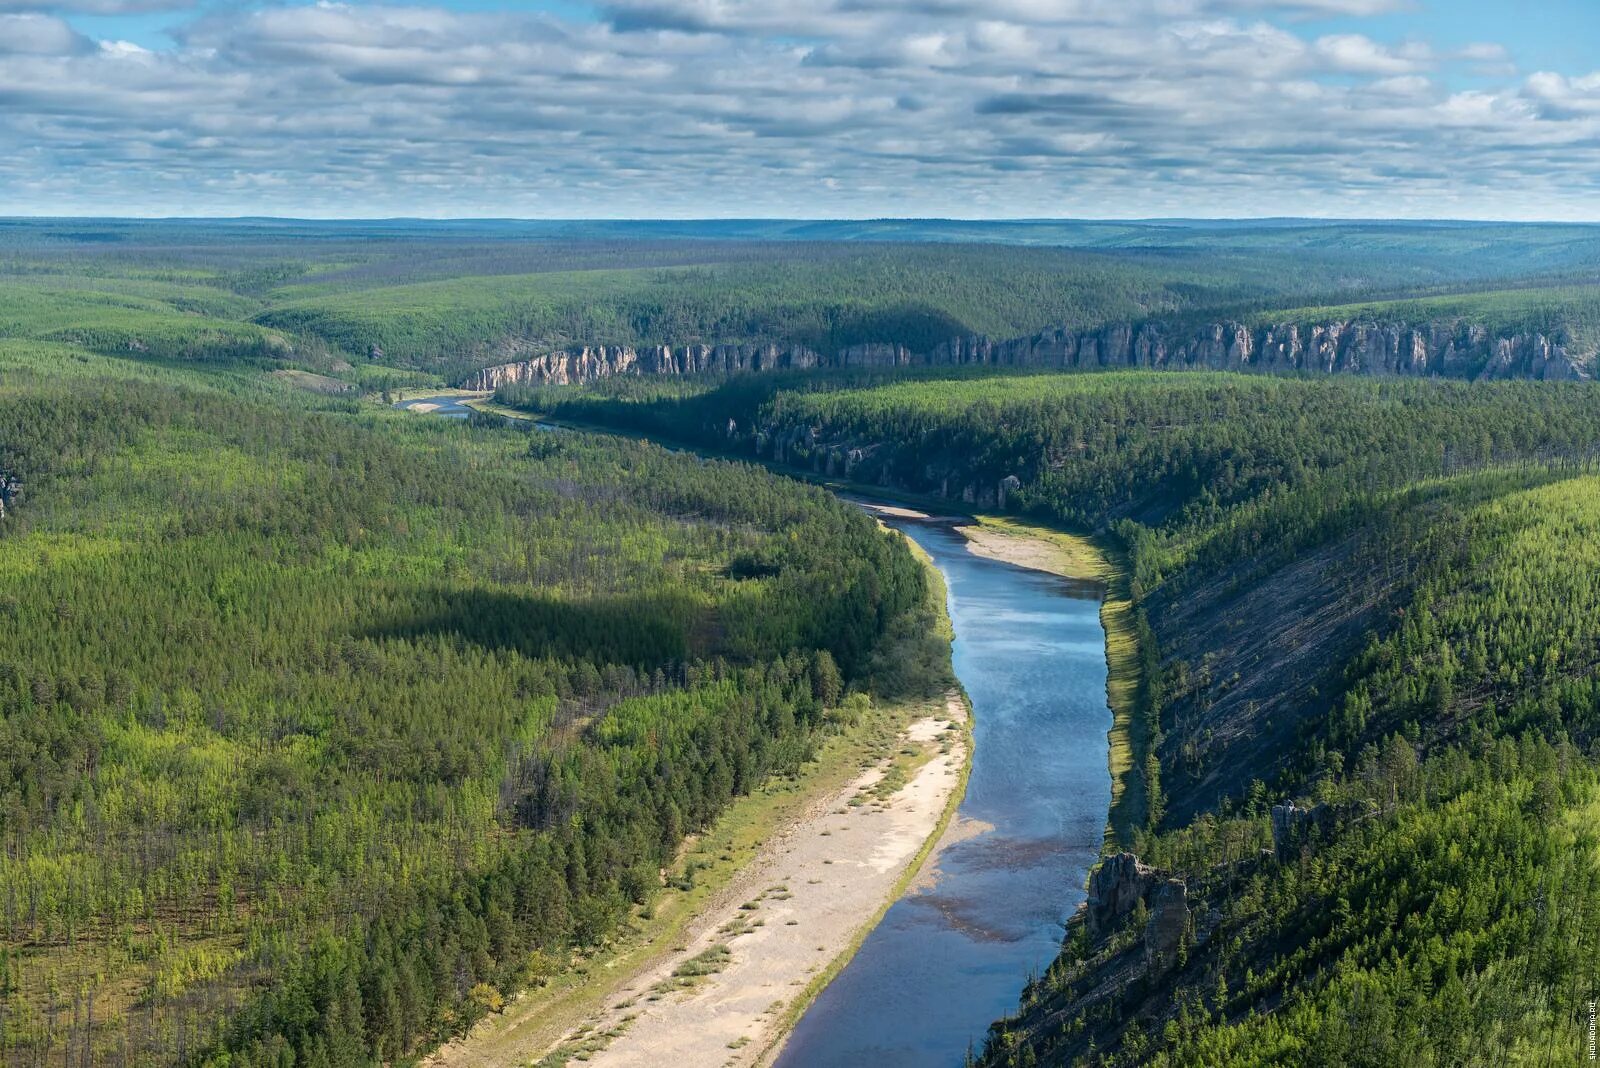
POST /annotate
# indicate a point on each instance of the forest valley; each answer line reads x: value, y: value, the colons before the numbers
x: 324, y: 728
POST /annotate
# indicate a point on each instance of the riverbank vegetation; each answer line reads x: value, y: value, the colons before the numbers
x: 323, y: 731
x: 1371, y: 598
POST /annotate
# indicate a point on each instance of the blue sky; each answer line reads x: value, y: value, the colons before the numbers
x: 1556, y: 34
x: 1542, y: 34
x: 846, y: 108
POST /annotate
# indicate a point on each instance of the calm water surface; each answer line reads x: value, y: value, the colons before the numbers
x: 949, y: 959
x: 451, y: 407
x: 448, y: 406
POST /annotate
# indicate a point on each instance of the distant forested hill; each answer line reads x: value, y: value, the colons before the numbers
x: 401, y: 297
x: 320, y: 727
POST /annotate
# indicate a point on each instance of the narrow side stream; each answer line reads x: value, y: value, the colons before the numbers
x: 953, y: 954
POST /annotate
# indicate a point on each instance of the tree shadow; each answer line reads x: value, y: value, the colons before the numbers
x: 648, y: 629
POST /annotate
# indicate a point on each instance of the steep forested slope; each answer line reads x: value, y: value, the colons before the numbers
x: 1368, y: 626
x: 1435, y: 911
x: 318, y: 730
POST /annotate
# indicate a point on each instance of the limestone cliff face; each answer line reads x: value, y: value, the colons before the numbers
x: 1169, y: 921
x: 1455, y: 349
x: 571, y: 366
x: 1116, y: 886
x: 1446, y: 348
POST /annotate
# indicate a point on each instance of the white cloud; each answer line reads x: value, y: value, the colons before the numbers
x: 1402, y: 85
x: 740, y: 107
x: 1352, y: 53
x: 34, y: 34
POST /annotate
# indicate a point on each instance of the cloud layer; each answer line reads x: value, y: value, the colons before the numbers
x: 772, y: 107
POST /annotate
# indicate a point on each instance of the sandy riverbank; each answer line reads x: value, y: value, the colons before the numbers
x: 725, y: 994
x: 743, y: 966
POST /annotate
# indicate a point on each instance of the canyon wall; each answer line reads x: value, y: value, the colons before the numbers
x: 1448, y: 348
x: 565, y: 367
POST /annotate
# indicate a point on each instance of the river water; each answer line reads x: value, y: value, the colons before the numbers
x: 951, y: 957
x: 448, y: 405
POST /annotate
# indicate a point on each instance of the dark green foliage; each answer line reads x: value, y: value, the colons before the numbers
x: 449, y: 297
x: 1451, y: 913
x: 311, y: 722
x: 1447, y: 908
x: 321, y: 728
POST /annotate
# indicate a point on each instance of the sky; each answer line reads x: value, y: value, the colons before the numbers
x: 1481, y: 109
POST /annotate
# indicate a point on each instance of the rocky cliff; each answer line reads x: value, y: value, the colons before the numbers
x: 1450, y: 348
x: 1456, y: 348
x: 1118, y: 886
x: 571, y: 366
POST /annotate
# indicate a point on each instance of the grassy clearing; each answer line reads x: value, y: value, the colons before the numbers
x: 309, y: 380
x: 1130, y: 729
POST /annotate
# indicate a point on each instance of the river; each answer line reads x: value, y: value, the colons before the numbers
x: 448, y: 405
x: 953, y: 954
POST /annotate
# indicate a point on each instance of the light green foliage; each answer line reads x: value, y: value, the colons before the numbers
x: 322, y: 728
x: 1449, y: 911
x: 159, y: 321
x: 1454, y: 919
x: 316, y: 726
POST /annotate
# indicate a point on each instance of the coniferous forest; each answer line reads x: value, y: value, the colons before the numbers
x: 325, y: 728
x: 1367, y: 621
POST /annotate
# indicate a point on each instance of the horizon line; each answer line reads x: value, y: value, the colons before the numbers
x: 1034, y: 220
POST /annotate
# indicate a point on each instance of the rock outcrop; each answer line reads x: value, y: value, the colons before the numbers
x: 1453, y: 348
x: 1164, y: 932
x: 571, y: 366
x: 1116, y: 887
x: 1292, y: 827
x: 1450, y: 348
